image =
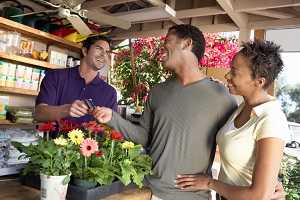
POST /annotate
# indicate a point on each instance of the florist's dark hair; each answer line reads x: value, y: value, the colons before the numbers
x: 186, y: 31
x: 93, y: 39
x: 265, y: 59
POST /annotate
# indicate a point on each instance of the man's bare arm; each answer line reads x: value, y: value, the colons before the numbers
x: 44, y: 112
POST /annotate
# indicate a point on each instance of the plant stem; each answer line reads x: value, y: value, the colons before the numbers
x: 111, y: 151
x: 85, y: 164
x: 47, y: 135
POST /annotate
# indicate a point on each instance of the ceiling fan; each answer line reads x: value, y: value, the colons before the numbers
x: 71, y: 10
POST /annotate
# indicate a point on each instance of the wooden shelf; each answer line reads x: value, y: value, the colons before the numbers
x: 41, y: 35
x: 18, y: 91
x: 5, y: 125
x: 24, y: 60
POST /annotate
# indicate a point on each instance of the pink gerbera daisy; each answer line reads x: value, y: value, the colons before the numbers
x: 88, y: 147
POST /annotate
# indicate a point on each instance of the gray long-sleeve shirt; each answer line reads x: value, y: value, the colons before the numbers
x: 178, y: 127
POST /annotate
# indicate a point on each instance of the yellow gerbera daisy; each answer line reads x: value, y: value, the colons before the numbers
x: 60, y: 141
x: 76, y: 136
x: 127, y: 145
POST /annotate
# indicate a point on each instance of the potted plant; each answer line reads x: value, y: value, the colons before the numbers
x: 106, y: 157
x: 52, y: 159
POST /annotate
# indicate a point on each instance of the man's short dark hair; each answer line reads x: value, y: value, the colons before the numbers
x: 265, y: 59
x: 93, y: 39
x: 186, y: 31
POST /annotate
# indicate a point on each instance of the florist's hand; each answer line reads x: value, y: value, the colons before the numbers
x: 102, y: 114
x: 77, y: 109
x: 279, y: 193
x: 192, y: 182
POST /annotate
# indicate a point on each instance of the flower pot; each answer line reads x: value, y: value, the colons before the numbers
x: 85, y: 184
x: 53, y: 187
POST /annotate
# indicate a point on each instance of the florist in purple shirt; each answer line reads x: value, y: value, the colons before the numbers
x: 63, y: 91
x: 64, y: 86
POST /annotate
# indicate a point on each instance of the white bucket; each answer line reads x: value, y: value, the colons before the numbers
x: 52, y: 187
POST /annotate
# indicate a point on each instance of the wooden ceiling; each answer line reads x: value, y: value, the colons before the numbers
x: 154, y: 17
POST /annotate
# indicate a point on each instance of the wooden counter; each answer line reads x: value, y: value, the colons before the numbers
x: 13, y: 190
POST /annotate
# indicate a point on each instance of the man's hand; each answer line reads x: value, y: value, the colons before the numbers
x: 102, y: 114
x: 192, y: 182
x: 77, y: 109
x: 279, y: 193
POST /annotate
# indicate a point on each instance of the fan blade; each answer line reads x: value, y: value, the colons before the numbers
x: 34, y: 13
x: 79, y: 25
x: 72, y: 3
x: 49, y: 3
x: 102, y: 18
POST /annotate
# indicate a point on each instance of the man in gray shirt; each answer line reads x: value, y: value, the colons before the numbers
x: 180, y: 119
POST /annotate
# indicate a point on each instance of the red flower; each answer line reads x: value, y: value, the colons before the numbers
x: 115, y: 135
x: 46, y: 127
x: 99, y: 154
x: 66, y: 126
x: 93, y: 127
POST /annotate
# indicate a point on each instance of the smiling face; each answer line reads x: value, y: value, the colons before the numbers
x: 97, y: 56
x: 239, y: 79
x: 172, y: 56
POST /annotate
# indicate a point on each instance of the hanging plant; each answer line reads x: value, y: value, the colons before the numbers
x: 149, y: 70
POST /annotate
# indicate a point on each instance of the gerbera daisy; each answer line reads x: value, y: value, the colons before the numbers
x: 60, y: 141
x: 127, y: 145
x: 88, y: 147
x: 76, y: 136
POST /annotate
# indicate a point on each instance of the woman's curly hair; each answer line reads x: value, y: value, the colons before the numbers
x: 265, y: 59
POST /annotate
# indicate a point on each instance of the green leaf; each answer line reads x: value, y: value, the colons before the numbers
x: 66, y: 180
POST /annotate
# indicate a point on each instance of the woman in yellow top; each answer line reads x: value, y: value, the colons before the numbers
x: 252, y: 140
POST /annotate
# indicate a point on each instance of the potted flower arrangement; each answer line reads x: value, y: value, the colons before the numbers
x: 93, y: 154
x: 52, y: 159
x: 106, y: 156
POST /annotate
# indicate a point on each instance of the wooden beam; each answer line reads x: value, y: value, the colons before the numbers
x: 146, y: 14
x: 172, y: 3
x: 103, y: 3
x: 240, y: 19
x: 199, y: 12
x: 272, y: 13
x: 279, y: 23
x: 169, y: 9
x: 158, y: 32
x: 246, y: 5
x: 244, y: 35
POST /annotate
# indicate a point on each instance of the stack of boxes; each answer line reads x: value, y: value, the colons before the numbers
x: 20, y: 76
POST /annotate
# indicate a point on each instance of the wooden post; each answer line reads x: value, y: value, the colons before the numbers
x: 132, y: 61
x: 261, y: 35
x: 244, y: 35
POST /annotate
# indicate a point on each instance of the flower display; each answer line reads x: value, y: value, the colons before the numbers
x: 219, y: 50
x: 88, y: 147
x: 100, y: 160
x: 148, y: 67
